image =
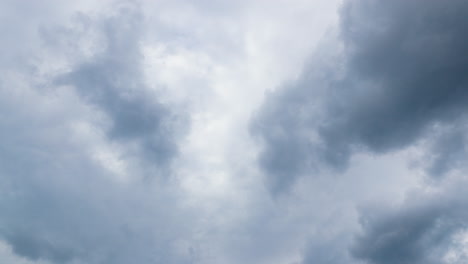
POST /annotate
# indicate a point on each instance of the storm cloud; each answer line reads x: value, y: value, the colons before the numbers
x: 401, y: 76
x: 393, y: 78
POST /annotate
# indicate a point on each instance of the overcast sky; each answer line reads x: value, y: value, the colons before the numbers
x: 234, y: 132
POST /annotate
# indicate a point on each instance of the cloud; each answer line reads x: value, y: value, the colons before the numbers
x: 113, y: 81
x: 125, y: 132
x: 391, y: 78
x: 60, y: 202
x: 421, y: 230
x: 401, y: 73
x: 447, y: 150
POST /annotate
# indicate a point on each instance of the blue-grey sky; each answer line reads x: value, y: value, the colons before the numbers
x: 227, y: 132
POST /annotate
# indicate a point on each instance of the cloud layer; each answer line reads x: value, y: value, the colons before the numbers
x: 233, y: 132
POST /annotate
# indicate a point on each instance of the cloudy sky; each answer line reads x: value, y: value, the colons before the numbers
x: 228, y: 132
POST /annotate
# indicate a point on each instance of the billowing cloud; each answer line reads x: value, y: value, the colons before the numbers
x: 400, y: 75
x: 392, y: 79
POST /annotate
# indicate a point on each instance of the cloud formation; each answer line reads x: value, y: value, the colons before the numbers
x: 127, y: 133
x: 113, y: 81
x: 396, y: 79
x: 62, y: 202
x: 400, y: 76
x: 422, y: 230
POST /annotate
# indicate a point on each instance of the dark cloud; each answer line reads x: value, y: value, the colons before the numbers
x: 420, y: 231
x: 403, y: 72
x: 401, y: 80
x: 407, y: 70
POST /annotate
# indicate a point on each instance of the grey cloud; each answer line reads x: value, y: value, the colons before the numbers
x: 412, y: 60
x: 36, y: 248
x: 58, y: 203
x: 448, y: 150
x: 420, y: 231
x: 403, y: 71
x: 324, y: 250
x: 61, y: 205
x: 113, y: 81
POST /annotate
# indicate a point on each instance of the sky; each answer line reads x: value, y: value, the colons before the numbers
x: 227, y: 132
